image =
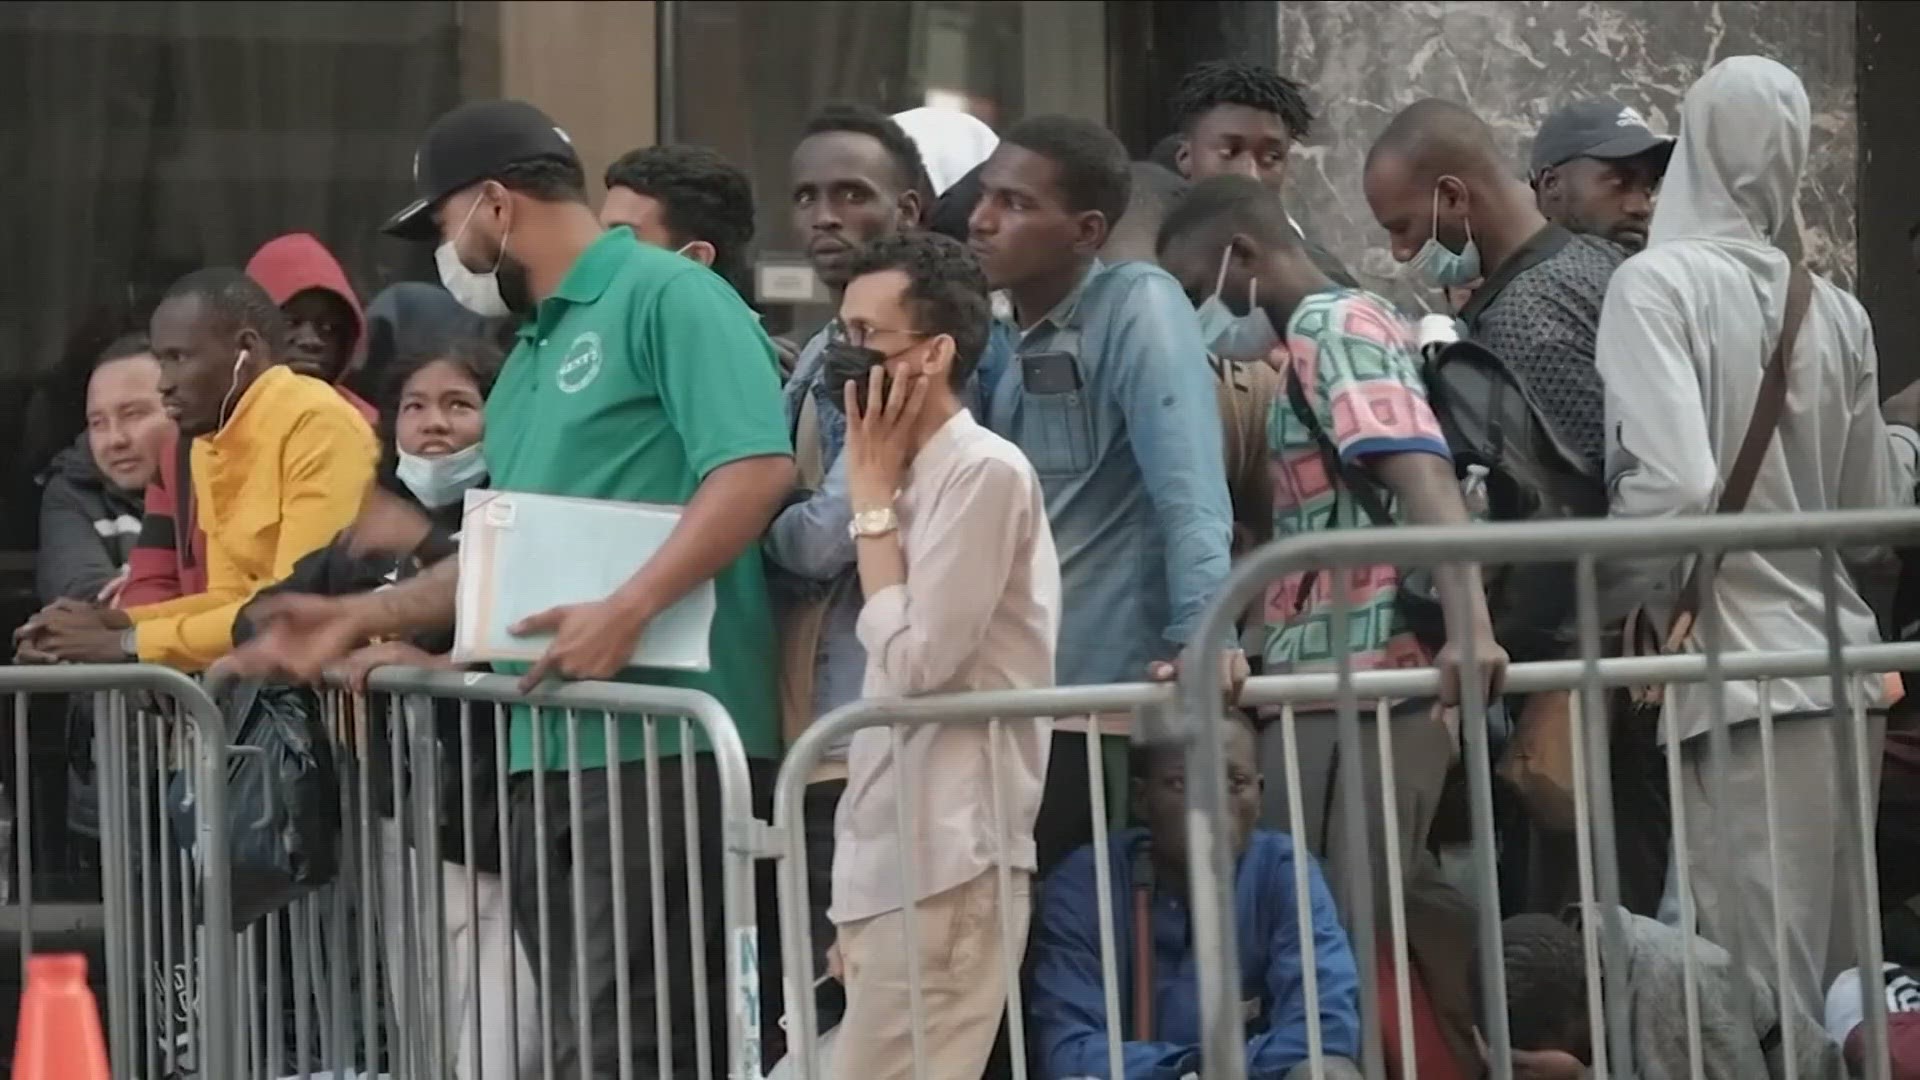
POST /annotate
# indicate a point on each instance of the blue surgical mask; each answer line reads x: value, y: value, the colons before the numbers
x: 1440, y: 267
x: 1241, y: 338
x: 438, y: 481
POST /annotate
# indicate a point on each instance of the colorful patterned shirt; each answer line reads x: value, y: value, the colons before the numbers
x: 1358, y: 364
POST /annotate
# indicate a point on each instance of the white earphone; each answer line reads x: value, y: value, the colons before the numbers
x: 233, y: 384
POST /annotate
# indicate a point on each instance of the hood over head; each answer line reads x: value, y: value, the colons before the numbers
x: 75, y: 464
x: 952, y: 143
x: 289, y: 265
x: 1735, y: 173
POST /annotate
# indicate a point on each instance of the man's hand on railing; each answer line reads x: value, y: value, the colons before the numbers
x: 299, y: 637
x: 355, y: 668
x: 1491, y: 667
x: 1234, y: 672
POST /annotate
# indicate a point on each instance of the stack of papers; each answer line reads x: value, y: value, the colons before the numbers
x: 521, y: 554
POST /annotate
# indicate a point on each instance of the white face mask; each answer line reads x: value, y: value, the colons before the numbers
x: 1240, y: 338
x: 478, y: 293
x: 437, y: 481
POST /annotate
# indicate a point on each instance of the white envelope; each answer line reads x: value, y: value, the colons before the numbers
x: 521, y: 554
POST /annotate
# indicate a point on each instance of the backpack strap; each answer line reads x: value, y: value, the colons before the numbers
x: 1350, y: 477
x: 1340, y: 474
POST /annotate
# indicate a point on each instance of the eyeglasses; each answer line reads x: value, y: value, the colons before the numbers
x: 840, y: 333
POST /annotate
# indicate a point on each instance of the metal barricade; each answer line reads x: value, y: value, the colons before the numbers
x: 494, y: 876
x: 985, y: 717
x: 1585, y: 545
x: 159, y: 767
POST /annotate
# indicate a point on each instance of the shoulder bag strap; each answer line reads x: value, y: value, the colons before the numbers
x: 1767, y: 407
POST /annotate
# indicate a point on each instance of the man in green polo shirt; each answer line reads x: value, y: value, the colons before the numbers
x: 638, y: 375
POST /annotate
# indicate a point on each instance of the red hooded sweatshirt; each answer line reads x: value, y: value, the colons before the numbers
x: 169, y: 560
x: 289, y: 265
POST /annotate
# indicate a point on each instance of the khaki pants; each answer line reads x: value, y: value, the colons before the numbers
x: 963, y: 983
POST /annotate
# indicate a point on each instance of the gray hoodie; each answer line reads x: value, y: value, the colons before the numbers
x: 1742, y: 1034
x: 87, y: 527
x: 1684, y: 335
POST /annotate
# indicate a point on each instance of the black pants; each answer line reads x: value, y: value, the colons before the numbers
x: 582, y: 948
x: 823, y: 804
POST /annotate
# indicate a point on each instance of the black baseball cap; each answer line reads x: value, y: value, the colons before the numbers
x: 470, y: 144
x: 1600, y: 128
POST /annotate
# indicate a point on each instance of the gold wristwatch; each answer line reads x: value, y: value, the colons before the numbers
x: 872, y: 524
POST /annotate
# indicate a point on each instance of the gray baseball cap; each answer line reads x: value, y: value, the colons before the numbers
x: 1598, y: 128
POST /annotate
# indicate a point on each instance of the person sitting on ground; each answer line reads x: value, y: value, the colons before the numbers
x: 1065, y: 991
x: 280, y: 463
x: 1741, y: 1036
x: 90, y: 502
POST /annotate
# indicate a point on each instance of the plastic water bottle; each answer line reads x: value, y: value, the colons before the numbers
x: 1473, y: 492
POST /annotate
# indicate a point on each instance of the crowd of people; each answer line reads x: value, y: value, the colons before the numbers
x: 1063, y: 391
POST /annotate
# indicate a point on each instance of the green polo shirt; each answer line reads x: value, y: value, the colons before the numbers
x: 640, y: 375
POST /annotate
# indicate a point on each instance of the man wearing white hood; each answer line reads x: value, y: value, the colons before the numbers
x: 1688, y: 327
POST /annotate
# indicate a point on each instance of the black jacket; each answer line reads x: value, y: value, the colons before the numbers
x: 335, y: 571
x: 87, y: 527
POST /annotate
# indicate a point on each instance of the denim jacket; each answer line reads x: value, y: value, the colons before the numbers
x: 1132, y: 468
x: 810, y: 552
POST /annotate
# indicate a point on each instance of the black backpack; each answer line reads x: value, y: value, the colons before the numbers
x: 1490, y: 420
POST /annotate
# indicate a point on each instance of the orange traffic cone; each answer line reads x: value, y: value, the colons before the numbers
x: 59, y: 1033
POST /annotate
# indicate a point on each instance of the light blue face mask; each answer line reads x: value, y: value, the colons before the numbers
x: 1440, y: 267
x: 1240, y: 338
x: 438, y: 481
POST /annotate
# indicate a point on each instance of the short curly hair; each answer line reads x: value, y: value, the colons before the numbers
x: 236, y: 300
x: 702, y: 196
x: 1546, y: 969
x: 946, y: 290
x: 1095, y: 172
x: 883, y: 129
x: 1237, y: 82
x: 546, y: 179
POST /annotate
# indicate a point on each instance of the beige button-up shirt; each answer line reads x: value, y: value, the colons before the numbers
x: 980, y: 610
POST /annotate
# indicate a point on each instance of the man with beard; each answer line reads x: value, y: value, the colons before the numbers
x: 1594, y: 169
x: 1454, y: 211
x: 639, y: 376
x: 855, y: 178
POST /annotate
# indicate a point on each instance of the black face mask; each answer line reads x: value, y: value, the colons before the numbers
x: 842, y: 363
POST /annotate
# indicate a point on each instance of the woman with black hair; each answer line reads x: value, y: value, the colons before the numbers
x: 432, y: 420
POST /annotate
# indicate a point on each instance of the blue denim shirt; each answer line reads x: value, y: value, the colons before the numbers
x: 1132, y: 469
x: 808, y: 541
